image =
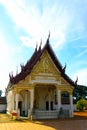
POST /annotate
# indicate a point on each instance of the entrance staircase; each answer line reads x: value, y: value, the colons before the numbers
x: 37, y: 114
x: 54, y: 114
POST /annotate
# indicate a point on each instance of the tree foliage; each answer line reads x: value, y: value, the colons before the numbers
x: 80, y: 92
x: 81, y: 104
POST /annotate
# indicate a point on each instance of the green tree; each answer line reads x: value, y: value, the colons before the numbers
x: 80, y: 92
x: 81, y: 104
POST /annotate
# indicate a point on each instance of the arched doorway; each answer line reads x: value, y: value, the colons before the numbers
x: 65, y: 97
x: 24, y: 102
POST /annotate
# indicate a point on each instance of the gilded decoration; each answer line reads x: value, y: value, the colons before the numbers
x: 63, y: 81
x: 45, y: 65
x: 40, y: 84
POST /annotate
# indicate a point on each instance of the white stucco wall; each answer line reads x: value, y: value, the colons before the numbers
x: 10, y: 102
x: 2, y: 107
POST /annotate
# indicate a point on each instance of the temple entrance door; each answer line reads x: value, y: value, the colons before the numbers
x: 20, y: 107
x: 49, y: 105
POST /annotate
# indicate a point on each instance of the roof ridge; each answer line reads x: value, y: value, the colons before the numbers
x: 33, y: 60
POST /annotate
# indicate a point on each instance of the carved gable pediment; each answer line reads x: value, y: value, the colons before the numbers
x: 63, y: 81
x: 45, y: 65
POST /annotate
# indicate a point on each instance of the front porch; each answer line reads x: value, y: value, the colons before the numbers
x: 43, y: 114
x: 43, y: 101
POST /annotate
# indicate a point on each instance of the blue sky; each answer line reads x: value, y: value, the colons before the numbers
x: 23, y: 23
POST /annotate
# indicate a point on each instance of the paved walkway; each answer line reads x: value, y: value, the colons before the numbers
x: 46, y: 125
x: 24, y: 126
x: 63, y: 124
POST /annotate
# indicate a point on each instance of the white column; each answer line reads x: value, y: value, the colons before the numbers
x: 26, y: 109
x: 59, y: 99
x: 49, y: 101
x: 71, y: 105
x: 17, y: 95
x: 13, y: 101
x: 31, y: 98
x: 49, y: 105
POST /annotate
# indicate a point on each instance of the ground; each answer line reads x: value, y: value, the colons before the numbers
x: 79, y: 122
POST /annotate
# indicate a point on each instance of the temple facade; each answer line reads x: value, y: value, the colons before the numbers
x: 42, y: 89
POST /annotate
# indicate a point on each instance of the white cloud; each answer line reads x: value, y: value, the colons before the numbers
x: 55, y: 17
x: 83, y: 51
x: 27, y: 41
x: 82, y: 76
x: 4, y: 62
x: 37, y: 25
x: 7, y: 63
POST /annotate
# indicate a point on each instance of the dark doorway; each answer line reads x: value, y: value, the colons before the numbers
x: 51, y: 104
x: 20, y: 107
x: 47, y: 105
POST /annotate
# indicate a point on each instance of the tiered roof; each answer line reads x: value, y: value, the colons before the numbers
x: 26, y: 69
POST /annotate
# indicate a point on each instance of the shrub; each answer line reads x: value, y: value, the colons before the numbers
x: 81, y: 104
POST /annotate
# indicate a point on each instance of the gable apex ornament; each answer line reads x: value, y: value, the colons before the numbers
x: 76, y: 80
x: 48, y: 38
x: 40, y: 45
x: 64, y: 68
x: 49, y: 35
x: 36, y: 47
x: 36, y: 56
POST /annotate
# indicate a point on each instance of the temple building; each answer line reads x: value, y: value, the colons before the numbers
x: 42, y: 89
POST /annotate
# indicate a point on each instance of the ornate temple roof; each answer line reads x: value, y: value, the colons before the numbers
x: 26, y: 69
